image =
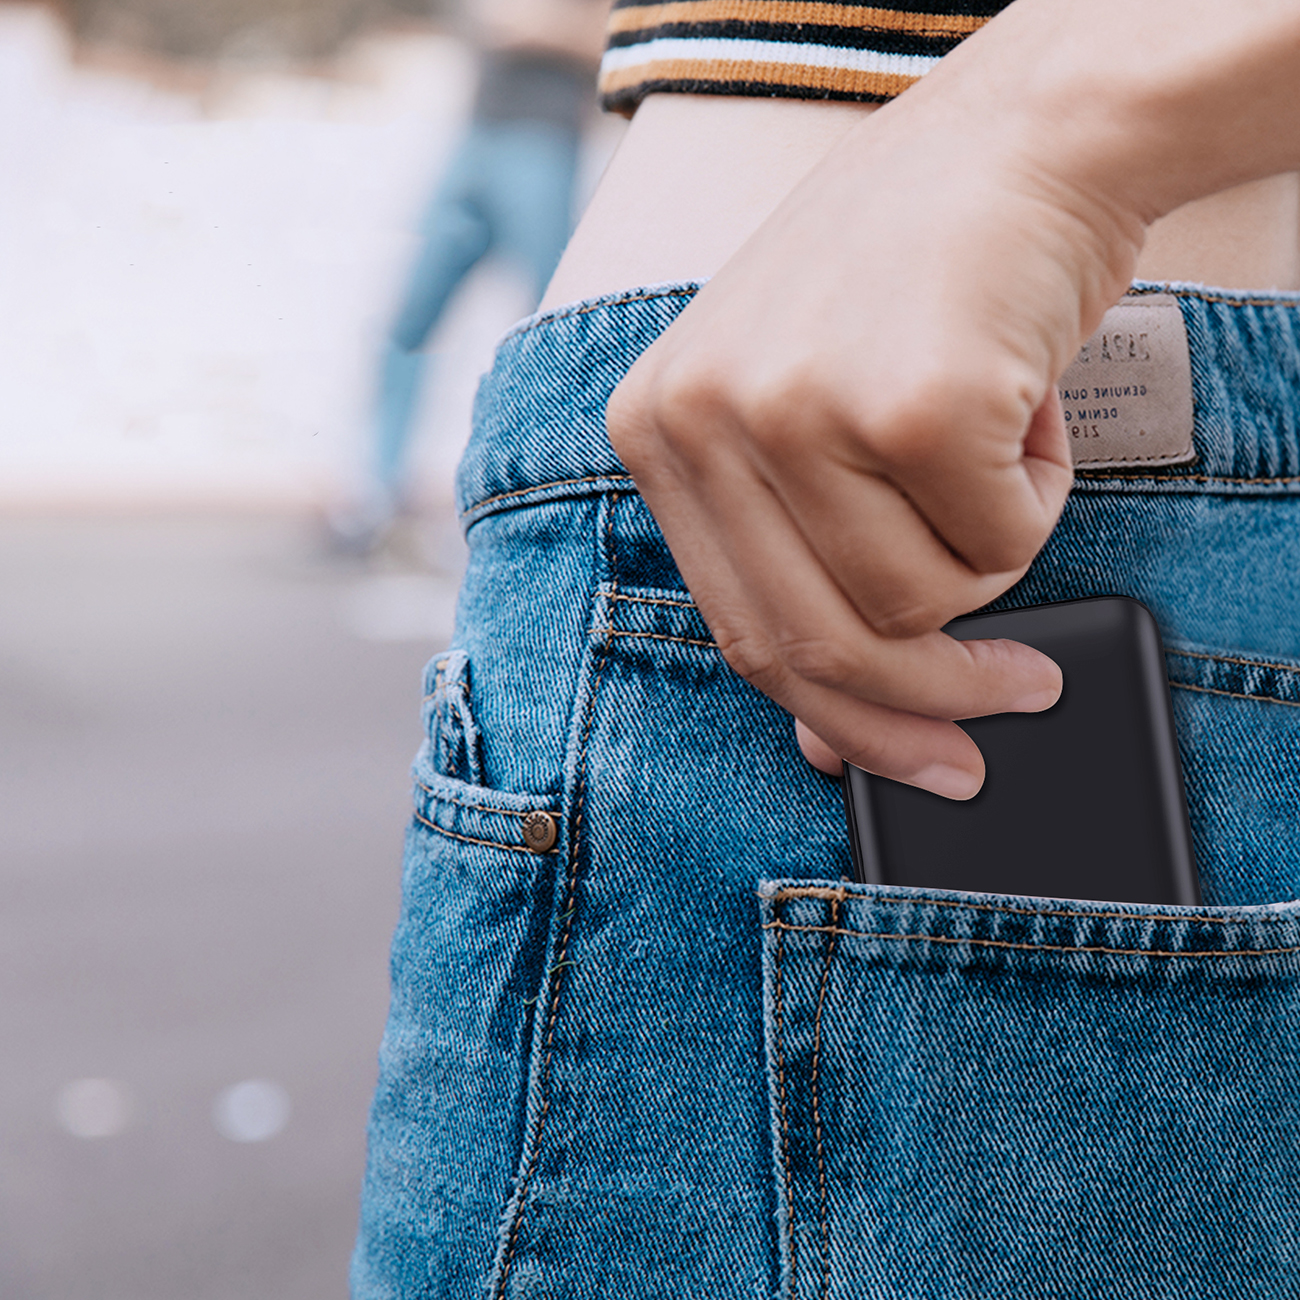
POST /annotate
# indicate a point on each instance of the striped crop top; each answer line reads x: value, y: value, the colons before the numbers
x: 800, y: 49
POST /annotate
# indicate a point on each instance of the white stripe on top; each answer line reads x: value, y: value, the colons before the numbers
x: 720, y: 50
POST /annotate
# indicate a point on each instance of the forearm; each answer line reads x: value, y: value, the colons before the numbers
x: 1094, y: 118
x: 1146, y: 105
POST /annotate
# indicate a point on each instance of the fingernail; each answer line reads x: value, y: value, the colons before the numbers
x: 1036, y: 701
x: 950, y: 782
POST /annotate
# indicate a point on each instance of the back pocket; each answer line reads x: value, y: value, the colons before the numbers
x: 980, y: 1096
x: 468, y: 959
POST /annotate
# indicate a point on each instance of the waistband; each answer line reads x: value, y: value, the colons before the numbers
x: 539, y: 418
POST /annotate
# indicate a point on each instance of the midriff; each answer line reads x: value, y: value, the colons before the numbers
x: 696, y: 175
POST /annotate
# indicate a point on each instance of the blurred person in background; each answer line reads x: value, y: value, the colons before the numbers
x: 508, y: 190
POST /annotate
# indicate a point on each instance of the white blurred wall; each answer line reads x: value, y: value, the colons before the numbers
x: 193, y: 284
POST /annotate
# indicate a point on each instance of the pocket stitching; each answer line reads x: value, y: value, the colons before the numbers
x: 1233, y: 659
x: 842, y: 895
x: 539, y: 487
x: 556, y: 972
x: 653, y: 600
x: 658, y: 636
x: 1027, y: 947
x: 469, y: 839
x: 1235, y: 695
x: 816, y: 1102
x: 779, y: 1044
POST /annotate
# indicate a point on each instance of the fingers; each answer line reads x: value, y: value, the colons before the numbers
x: 817, y: 751
x: 836, y: 483
x: 892, y: 566
x: 996, y: 505
x: 781, y: 620
x: 907, y: 513
x: 934, y: 756
x: 943, y: 759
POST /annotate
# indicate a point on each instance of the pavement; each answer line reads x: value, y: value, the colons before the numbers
x: 205, y: 729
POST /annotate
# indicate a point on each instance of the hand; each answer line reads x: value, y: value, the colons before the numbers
x: 852, y: 434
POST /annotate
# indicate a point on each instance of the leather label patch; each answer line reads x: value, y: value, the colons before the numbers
x: 1127, y: 396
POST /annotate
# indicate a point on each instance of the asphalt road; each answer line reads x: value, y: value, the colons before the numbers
x: 204, y: 740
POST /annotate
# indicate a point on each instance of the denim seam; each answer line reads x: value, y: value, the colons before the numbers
x: 1178, y: 478
x: 1030, y: 947
x: 585, y: 309
x: 1174, y: 291
x: 542, y: 487
x: 469, y: 839
x: 480, y: 807
x: 1236, y: 695
x: 785, y: 1116
x: 816, y: 1102
x: 656, y: 600
x: 713, y: 645
x: 814, y: 891
x: 658, y: 636
x: 1084, y: 476
x: 442, y: 688
x: 558, y: 967
x: 1229, y: 659
x: 1186, y: 654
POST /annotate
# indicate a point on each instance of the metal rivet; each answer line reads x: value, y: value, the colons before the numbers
x: 540, y: 831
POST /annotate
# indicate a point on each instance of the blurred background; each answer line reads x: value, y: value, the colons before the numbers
x: 212, y: 622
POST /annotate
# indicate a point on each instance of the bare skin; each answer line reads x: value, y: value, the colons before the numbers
x: 696, y: 175
x: 852, y: 435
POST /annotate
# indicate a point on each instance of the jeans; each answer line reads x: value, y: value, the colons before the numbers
x: 675, y: 1054
x: 508, y: 190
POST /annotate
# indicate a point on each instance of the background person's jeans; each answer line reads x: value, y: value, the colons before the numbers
x: 508, y: 191
x: 678, y: 1056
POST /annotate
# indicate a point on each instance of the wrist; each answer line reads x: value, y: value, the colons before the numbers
x: 985, y: 184
x: 1141, y: 107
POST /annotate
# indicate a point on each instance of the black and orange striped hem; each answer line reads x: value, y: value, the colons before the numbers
x: 792, y: 48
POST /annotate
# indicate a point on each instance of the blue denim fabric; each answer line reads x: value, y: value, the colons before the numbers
x: 678, y: 1055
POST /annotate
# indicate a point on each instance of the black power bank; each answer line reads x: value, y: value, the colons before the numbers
x: 1084, y: 801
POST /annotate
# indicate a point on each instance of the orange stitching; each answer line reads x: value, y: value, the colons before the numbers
x: 785, y: 1116
x: 1102, y: 477
x: 654, y: 600
x: 1032, y: 947
x: 816, y: 1105
x: 1204, y: 296
x: 557, y: 970
x: 440, y: 667
x: 818, y: 891
x: 444, y: 688
x: 1234, y: 695
x: 658, y: 636
x: 568, y: 313
x: 1091, y: 476
x: 1156, y: 460
x: 541, y: 487
x: 587, y: 308
x: 479, y: 807
x: 1228, y: 659
x: 469, y: 839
